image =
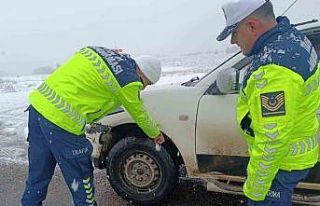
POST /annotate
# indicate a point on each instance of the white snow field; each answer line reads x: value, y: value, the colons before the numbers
x: 14, y: 98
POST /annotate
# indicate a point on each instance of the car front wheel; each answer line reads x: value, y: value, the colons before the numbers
x: 139, y: 173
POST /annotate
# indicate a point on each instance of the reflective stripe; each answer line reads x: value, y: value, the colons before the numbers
x: 47, y: 92
x: 89, y: 191
x: 258, y: 76
x: 303, y: 146
x: 87, y: 186
x: 53, y: 96
x: 262, y: 84
x: 61, y: 104
x: 309, y: 89
x: 66, y: 109
x: 73, y: 113
x: 313, y: 142
x: 76, y: 118
x: 295, y: 150
x: 270, y: 126
x: 90, y: 201
x: 97, y: 64
x: 256, y: 194
x: 268, y: 159
x: 82, y: 121
x: 41, y: 86
x: 86, y: 181
x: 270, y: 151
x: 84, y: 51
x: 261, y: 174
x: 263, y: 166
x: 106, y: 76
x: 88, y: 54
x: 45, y: 89
x: 315, y: 85
x: 93, y: 58
x: 261, y: 182
x: 272, y: 135
x: 90, y: 196
x: 56, y: 100
x: 102, y: 70
x: 256, y: 184
x: 309, y: 142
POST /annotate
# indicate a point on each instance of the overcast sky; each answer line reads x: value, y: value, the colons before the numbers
x: 38, y: 33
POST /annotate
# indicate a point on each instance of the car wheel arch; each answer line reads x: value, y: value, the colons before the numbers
x: 131, y: 129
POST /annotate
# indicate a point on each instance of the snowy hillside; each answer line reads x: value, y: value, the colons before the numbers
x: 14, y: 93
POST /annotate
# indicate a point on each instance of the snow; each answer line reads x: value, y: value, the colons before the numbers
x: 13, y: 120
x: 14, y: 99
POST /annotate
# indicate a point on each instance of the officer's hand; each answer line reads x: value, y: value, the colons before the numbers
x: 159, y: 139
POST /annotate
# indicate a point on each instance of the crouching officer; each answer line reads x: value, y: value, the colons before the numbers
x: 93, y: 83
x: 278, y: 101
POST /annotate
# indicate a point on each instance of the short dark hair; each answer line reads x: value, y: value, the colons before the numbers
x: 265, y: 11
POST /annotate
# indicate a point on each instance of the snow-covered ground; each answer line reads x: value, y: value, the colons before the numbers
x: 14, y: 98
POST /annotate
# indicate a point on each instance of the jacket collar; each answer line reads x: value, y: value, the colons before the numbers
x: 282, y: 26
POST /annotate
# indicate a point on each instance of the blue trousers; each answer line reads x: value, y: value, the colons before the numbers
x: 49, y: 145
x: 280, y: 193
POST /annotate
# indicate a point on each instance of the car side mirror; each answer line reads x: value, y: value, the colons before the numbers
x: 228, y: 81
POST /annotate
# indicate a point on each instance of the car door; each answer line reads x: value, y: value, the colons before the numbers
x: 219, y: 146
x: 218, y: 139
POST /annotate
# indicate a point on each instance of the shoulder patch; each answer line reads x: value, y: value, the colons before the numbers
x: 273, y: 104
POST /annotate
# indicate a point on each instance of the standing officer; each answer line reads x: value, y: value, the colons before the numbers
x: 93, y: 83
x: 278, y: 100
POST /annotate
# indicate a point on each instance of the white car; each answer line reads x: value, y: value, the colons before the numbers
x: 203, y: 145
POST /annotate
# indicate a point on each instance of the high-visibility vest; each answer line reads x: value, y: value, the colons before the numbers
x: 277, y: 107
x: 92, y: 83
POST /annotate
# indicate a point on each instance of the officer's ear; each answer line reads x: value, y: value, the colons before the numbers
x: 144, y: 80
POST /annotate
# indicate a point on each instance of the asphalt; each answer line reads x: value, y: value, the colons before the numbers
x: 12, y: 182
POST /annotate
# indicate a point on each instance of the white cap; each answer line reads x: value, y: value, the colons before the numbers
x: 150, y: 67
x: 235, y: 11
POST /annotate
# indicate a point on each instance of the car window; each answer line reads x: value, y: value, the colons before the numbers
x: 220, y: 65
x: 241, y: 66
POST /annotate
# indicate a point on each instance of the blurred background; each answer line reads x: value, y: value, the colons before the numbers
x: 38, y: 35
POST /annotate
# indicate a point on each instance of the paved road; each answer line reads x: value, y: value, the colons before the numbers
x: 12, y: 179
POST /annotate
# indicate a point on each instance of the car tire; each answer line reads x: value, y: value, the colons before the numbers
x: 139, y: 173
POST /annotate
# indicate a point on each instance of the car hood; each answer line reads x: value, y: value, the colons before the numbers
x: 160, y: 100
x: 171, y: 93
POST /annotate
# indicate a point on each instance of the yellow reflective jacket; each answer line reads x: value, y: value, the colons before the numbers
x: 277, y: 108
x: 92, y: 83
